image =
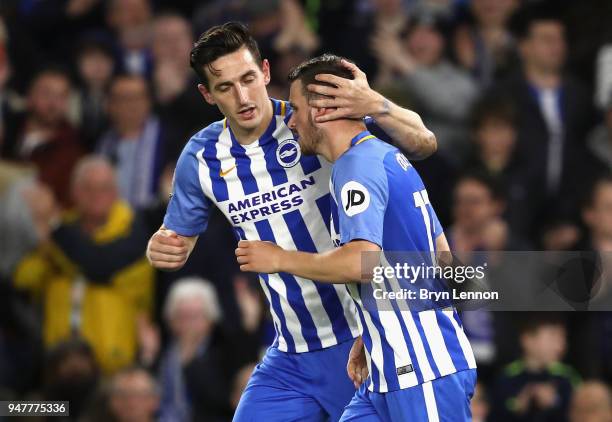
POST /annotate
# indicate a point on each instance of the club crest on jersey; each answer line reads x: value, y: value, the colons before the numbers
x: 288, y: 153
x: 355, y: 198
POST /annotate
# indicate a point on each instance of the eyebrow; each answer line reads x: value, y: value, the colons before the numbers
x: 244, y: 75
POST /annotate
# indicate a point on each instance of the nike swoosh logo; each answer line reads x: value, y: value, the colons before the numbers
x: 226, y: 172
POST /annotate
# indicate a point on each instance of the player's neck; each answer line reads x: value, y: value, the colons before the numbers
x: 338, y: 138
x: 248, y: 136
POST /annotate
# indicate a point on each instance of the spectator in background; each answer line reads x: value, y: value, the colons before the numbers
x: 597, y: 216
x: 131, y: 22
x: 591, y: 402
x: 494, y: 132
x: 201, y: 361
x: 415, y: 67
x: 479, y: 227
x: 104, y: 300
x: 46, y: 138
x: 71, y: 374
x: 135, y: 143
x: 178, y: 101
x: 133, y: 396
x: 27, y: 206
x: 537, y: 386
x: 95, y: 65
x: 554, y: 114
x: 484, y: 44
x: 479, y: 202
x: 592, y: 339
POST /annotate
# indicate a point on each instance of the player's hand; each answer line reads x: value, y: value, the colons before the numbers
x: 352, y: 98
x: 259, y: 256
x: 357, y: 367
x: 166, y: 250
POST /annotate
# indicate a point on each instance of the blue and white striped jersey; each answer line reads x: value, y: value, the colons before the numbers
x: 378, y: 196
x: 268, y: 191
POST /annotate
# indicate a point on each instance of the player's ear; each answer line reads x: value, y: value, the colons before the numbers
x: 319, y: 111
x: 206, y: 94
x: 265, y: 68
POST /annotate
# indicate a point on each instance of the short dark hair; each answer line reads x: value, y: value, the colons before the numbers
x: 523, y: 20
x: 531, y: 322
x: 219, y: 41
x: 326, y: 63
x: 493, y: 184
x: 54, y: 70
x: 492, y: 108
x: 130, y: 77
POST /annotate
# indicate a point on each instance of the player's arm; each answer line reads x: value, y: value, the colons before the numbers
x: 339, y: 265
x: 169, y: 251
x: 355, y: 99
x: 186, y: 216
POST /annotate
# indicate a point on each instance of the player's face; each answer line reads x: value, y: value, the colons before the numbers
x: 302, y: 122
x: 238, y: 88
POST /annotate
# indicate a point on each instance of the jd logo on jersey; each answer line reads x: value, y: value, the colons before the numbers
x: 355, y: 198
x: 288, y: 153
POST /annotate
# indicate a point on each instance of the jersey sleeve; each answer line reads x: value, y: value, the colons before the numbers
x: 189, y: 208
x: 361, y: 192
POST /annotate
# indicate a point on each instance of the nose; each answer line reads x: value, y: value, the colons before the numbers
x: 291, y: 122
x: 242, y: 95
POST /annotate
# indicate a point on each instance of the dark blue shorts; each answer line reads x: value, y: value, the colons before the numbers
x: 445, y: 399
x: 311, y: 386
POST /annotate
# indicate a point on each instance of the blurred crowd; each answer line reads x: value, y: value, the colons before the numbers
x: 97, y: 100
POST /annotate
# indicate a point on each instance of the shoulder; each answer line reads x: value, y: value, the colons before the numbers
x: 202, y: 139
x: 365, y: 163
x: 369, y: 152
x: 564, y: 371
x: 209, y: 134
x: 514, y: 369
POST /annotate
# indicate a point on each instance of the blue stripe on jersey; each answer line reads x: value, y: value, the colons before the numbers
x: 324, y: 205
x: 219, y: 186
x: 310, y: 163
x: 329, y: 298
x: 275, y: 304
x: 265, y: 233
x: 294, y: 294
x: 432, y: 362
x: 388, y: 353
x: 409, y: 344
x: 452, y: 342
x: 243, y: 166
x: 295, y: 298
x: 276, y: 171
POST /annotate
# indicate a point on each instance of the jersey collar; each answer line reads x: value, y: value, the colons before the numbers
x: 361, y: 136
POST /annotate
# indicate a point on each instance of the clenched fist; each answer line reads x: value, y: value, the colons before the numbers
x: 167, y: 250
